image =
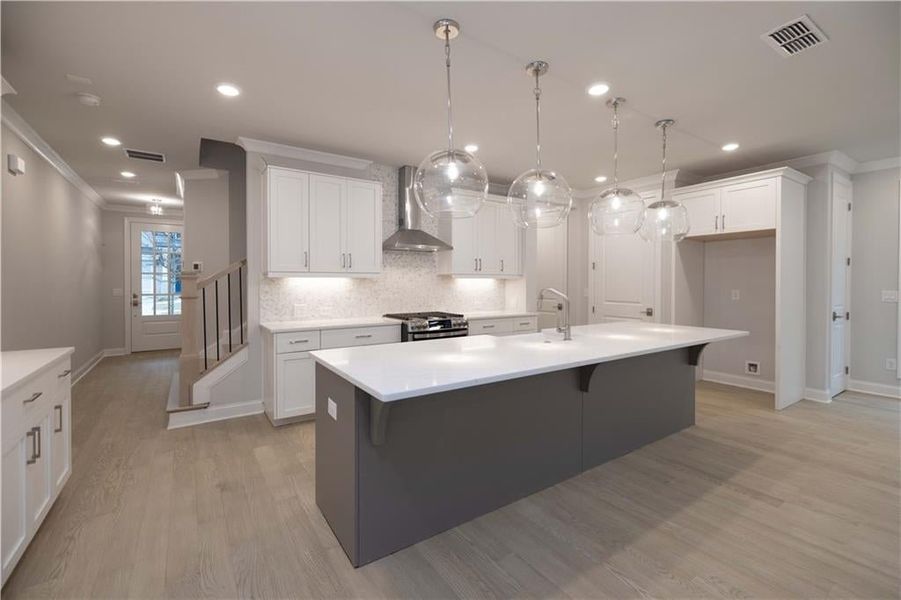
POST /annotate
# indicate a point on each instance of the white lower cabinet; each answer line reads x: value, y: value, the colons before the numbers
x: 37, y: 455
x: 503, y: 325
x: 295, y: 376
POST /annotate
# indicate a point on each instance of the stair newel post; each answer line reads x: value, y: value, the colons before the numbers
x: 191, y: 344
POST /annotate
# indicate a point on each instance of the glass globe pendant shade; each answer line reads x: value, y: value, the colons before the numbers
x: 617, y: 211
x: 539, y: 198
x: 664, y: 221
x: 450, y: 183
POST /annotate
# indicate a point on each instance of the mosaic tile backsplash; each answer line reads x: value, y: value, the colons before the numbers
x: 408, y: 282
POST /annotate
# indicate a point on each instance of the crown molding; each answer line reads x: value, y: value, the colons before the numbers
x: 297, y: 153
x: 879, y: 165
x: 17, y: 125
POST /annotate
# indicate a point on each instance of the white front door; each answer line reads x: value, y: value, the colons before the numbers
x: 841, y: 251
x: 155, y: 259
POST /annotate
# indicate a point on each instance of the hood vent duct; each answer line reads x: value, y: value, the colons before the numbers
x: 409, y: 236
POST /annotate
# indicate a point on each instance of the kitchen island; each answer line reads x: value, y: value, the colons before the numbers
x: 415, y: 438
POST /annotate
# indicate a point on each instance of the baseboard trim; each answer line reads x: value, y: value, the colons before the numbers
x: 211, y: 414
x: 814, y: 395
x: 114, y: 352
x: 86, y: 368
x: 750, y: 383
x: 877, y: 389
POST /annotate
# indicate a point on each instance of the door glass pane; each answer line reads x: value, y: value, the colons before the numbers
x: 146, y: 306
x: 162, y: 305
x: 176, y: 305
x: 146, y: 283
x: 161, y: 272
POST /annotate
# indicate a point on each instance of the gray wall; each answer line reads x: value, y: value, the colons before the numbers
x: 206, y: 221
x: 51, y: 259
x: 750, y: 267
x: 230, y: 157
x: 874, y: 324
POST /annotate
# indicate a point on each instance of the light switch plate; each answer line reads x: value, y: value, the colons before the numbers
x: 332, y: 409
x: 889, y: 295
x: 15, y: 164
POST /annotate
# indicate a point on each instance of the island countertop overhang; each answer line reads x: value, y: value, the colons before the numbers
x: 400, y: 371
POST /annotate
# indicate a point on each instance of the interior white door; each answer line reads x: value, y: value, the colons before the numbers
x: 288, y: 198
x: 155, y: 260
x: 362, y: 222
x: 841, y: 252
x: 326, y: 197
x: 624, y: 279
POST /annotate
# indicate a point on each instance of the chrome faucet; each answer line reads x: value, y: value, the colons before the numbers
x: 562, y: 310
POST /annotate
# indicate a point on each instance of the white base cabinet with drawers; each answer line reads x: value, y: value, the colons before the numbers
x: 37, y: 443
x: 503, y: 325
x: 289, y: 381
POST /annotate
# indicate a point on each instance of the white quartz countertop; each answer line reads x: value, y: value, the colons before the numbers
x: 499, y: 314
x: 312, y: 324
x: 392, y: 372
x: 19, y: 365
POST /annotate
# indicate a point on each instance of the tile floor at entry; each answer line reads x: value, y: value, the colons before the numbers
x: 750, y: 502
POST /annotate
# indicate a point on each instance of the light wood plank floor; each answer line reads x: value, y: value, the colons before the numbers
x: 749, y: 503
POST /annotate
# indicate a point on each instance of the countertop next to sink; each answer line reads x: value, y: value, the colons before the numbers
x: 398, y: 371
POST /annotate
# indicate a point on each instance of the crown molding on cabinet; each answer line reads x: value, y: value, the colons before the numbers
x: 295, y: 152
x: 879, y: 165
x: 21, y: 128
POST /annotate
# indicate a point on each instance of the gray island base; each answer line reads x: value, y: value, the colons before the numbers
x: 390, y: 474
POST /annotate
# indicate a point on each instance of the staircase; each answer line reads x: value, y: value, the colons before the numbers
x: 213, y: 329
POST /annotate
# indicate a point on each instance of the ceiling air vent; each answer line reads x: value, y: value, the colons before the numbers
x: 795, y: 36
x: 143, y: 155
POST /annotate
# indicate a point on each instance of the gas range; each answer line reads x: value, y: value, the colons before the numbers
x: 430, y: 325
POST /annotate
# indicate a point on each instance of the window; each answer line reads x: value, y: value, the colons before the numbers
x: 160, y: 273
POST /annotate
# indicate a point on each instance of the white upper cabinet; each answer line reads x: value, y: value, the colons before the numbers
x: 733, y: 207
x: 321, y: 224
x: 287, y: 198
x: 487, y: 245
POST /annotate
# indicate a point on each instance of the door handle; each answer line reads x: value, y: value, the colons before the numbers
x: 34, y: 457
x: 649, y: 312
x: 135, y: 302
x: 836, y: 316
x: 59, y: 407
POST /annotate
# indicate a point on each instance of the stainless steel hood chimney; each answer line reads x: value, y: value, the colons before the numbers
x: 409, y: 236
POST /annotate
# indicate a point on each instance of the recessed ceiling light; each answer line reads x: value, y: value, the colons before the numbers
x: 471, y: 148
x: 127, y: 174
x: 110, y: 141
x: 731, y: 147
x: 598, y: 89
x: 228, y: 89
x: 601, y: 178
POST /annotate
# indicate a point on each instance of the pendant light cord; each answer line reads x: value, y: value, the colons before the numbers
x: 450, y: 112
x: 615, y: 144
x: 663, y: 176
x: 537, y: 121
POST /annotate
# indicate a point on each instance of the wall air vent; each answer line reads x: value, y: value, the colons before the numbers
x: 795, y: 36
x: 143, y: 155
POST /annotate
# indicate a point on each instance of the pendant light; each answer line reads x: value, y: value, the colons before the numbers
x: 617, y: 210
x: 664, y: 220
x: 450, y: 182
x: 539, y: 197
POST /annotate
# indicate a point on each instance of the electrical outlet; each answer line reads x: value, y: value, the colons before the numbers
x: 332, y: 409
x: 736, y: 294
x: 889, y: 295
x: 752, y: 367
x: 891, y: 364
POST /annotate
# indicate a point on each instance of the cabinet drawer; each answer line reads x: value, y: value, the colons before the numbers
x: 360, y: 336
x: 525, y: 324
x: 491, y: 326
x: 28, y: 399
x: 300, y: 341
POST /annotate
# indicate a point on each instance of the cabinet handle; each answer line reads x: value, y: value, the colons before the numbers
x: 34, y: 456
x: 724, y: 221
x: 363, y: 336
x: 350, y: 260
x: 59, y: 407
x: 502, y: 265
x: 716, y: 223
x: 480, y: 264
x: 64, y: 373
x: 343, y: 260
x: 525, y: 323
x: 292, y: 342
x: 475, y: 264
x: 37, y: 453
x: 34, y: 397
x: 306, y: 259
x: 487, y: 326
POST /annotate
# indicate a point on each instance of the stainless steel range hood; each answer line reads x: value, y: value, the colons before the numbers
x: 409, y: 236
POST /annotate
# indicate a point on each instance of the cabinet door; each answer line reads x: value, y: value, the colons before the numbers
x: 295, y: 385
x: 508, y: 238
x: 38, y: 489
x: 327, y: 195
x: 463, y: 239
x: 363, y: 227
x: 15, y: 525
x: 749, y: 206
x: 287, y: 201
x: 486, y: 240
x: 703, y: 211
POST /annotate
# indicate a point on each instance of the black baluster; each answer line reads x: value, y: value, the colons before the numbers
x: 217, y: 321
x: 229, y: 312
x: 241, y: 300
x: 203, y: 306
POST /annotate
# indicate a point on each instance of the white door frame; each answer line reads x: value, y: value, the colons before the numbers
x: 126, y: 296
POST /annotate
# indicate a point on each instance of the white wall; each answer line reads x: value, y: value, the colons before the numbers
x: 206, y: 215
x: 748, y: 266
x: 874, y: 324
x: 51, y: 259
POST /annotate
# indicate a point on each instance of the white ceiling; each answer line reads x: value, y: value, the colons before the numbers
x: 367, y: 80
